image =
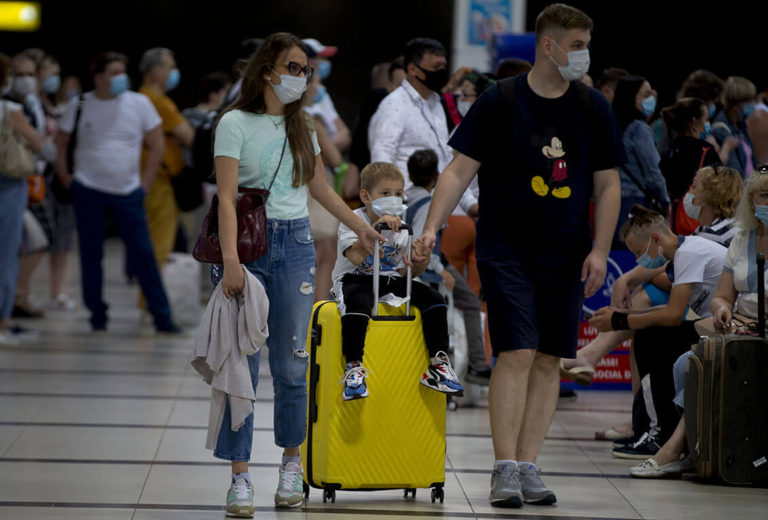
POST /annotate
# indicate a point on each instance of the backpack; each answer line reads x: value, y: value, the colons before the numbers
x: 188, y: 184
x: 410, y: 214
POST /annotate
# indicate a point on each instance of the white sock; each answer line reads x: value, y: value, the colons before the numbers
x: 502, y: 462
x: 287, y: 459
x: 241, y: 476
x: 527, y: 467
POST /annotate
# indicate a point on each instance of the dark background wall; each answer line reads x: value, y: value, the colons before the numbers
x: 662, y: 40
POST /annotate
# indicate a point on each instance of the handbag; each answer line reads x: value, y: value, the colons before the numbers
x: 251, y: 225
x: 61, y: 193
x: 16, y: 159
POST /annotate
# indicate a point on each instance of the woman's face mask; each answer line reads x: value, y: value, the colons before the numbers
x: 290, y: 88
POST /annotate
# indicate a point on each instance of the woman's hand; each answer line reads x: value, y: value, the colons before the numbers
x: 233, y: 280
x: 722, y: 318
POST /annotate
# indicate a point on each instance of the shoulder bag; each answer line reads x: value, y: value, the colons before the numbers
x: 251, y: 225
x: 16, y: 159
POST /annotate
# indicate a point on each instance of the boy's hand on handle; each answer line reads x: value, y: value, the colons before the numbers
x: 390, y: 220
x: 233, y: 280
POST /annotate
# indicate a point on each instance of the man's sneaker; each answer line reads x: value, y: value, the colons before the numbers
x: 290, y: 487
x: 505, y: 486
x: 644, y: 448
x: 479, y: 377
x: 441, y: 377
x: 240, y: 499
x: 354, y: 383
x: 534, y: 489
x: 649, y: 468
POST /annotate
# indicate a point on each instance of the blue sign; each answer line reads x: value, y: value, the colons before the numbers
x: 520, y: 46
x: 488, y: 17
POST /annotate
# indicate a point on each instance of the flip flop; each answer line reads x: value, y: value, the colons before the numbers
x: 581, y: 375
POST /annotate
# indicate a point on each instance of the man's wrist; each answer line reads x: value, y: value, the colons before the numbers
x: 620, y: 321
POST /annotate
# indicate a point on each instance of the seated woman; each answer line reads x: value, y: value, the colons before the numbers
x: 663, y: 334
x: 712, y: 201
x: 734, y: 305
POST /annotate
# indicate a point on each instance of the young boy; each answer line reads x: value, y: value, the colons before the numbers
x: 382, y: 193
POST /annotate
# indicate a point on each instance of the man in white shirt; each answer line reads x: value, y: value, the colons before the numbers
x: 114, y: 123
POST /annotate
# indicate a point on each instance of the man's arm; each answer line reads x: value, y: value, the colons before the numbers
x: 450, y: 187
x: 607, y: 203
x: 184, y: 134
x: 62, y: 168
x: 154, y: 141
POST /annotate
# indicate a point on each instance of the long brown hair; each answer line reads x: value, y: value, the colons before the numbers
x: 297, y: 121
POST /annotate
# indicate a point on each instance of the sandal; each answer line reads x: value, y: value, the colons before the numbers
x: 581, y: 375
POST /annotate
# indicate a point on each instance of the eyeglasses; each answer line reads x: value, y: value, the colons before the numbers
x: 295, y: 69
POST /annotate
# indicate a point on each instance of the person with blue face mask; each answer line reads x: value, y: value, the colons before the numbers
x: 730, y: 125
x: 641, y: 179
x: 160, y: 75
x: 111, y: 128
x: 694, y: 264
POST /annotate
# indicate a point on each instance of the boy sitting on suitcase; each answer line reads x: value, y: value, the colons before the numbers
x: 381, y: 192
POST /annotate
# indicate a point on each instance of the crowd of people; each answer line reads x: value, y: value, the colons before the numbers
x: 472, y: 155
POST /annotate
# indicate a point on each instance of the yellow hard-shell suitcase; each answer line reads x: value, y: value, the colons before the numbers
x: 395, y: 437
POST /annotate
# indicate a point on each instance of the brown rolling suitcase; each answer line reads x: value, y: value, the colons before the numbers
x: 726, y: 404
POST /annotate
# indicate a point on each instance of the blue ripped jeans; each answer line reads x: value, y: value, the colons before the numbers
x: 287, y: 272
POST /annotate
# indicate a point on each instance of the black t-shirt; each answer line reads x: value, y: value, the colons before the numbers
x: 536, y: 174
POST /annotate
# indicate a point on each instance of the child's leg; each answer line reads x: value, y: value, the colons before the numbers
x: 434, y: 316
x: 355, y: 304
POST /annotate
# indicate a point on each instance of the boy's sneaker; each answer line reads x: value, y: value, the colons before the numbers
x: 354, y: 382
x: 240, y: 499
x: 290, y: 487
x: 534, y: 489
x: 644, y: 448
x: 441, y: 377
x: 505, y: 486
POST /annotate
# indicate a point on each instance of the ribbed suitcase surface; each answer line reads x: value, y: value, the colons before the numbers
x: 395, y: 438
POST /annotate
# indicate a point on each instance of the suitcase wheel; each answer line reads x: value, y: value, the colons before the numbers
x: 329, y: 494
x: 409, y: 491
x: 306, y: 491
x: 438, y: 494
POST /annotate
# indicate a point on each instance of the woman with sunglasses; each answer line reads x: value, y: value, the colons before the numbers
x: 267, y: 134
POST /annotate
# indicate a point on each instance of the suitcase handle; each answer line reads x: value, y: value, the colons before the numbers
x: 377, y: 269
x: 761, y: 295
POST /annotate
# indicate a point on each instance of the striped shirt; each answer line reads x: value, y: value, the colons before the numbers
x: 722, y: 231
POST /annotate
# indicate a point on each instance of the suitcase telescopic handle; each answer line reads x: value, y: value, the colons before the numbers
x: 377, y: 268
x: 761, y: 294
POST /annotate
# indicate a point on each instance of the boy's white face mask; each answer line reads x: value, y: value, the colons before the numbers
x: 388, y: 206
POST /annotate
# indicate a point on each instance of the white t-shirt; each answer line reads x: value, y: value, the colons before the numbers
x: 741, y: 263
x: 326, y: 111
x: 395, y: 248
x: 109, y: 140
x: 699, y: 261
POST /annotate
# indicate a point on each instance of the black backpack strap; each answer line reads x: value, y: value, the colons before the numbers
x: 506, y: 94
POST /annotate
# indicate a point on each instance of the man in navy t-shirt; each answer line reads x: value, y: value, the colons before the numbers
x: 543, y: 145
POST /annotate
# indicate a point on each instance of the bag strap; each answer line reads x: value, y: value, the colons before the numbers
x: 410, y: 213
x: 73, y: 137
x: 274, y: 176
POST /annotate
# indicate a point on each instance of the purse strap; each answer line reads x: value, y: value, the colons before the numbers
x: 280, y: 162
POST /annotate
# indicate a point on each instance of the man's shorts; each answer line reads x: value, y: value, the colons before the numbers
x: 529, y: 309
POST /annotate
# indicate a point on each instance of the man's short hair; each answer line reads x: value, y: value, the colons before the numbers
x: 418, y: 47
x: 561, y: 17
x: 211, y: 83
x: 511, y: 67
x: 152, y: 58
x: 611, y: 77
x: 102, y: 60
x: 396, y: 64
x: 422, y: 167
x: 702, y: 84
x: 376, y: 172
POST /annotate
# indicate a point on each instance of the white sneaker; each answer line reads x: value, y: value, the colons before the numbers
x: 649, y: 468
x: 62, y: 303
x: 7, y: 339
x: 290, y: 488
x: 240, y: 499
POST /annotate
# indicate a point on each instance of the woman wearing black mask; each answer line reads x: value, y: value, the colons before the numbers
x: 641, y: 179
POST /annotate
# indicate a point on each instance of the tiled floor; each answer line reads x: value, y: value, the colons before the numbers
x: 113, y: 426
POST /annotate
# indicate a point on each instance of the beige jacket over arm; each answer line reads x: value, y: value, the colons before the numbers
x: 231, y: 330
